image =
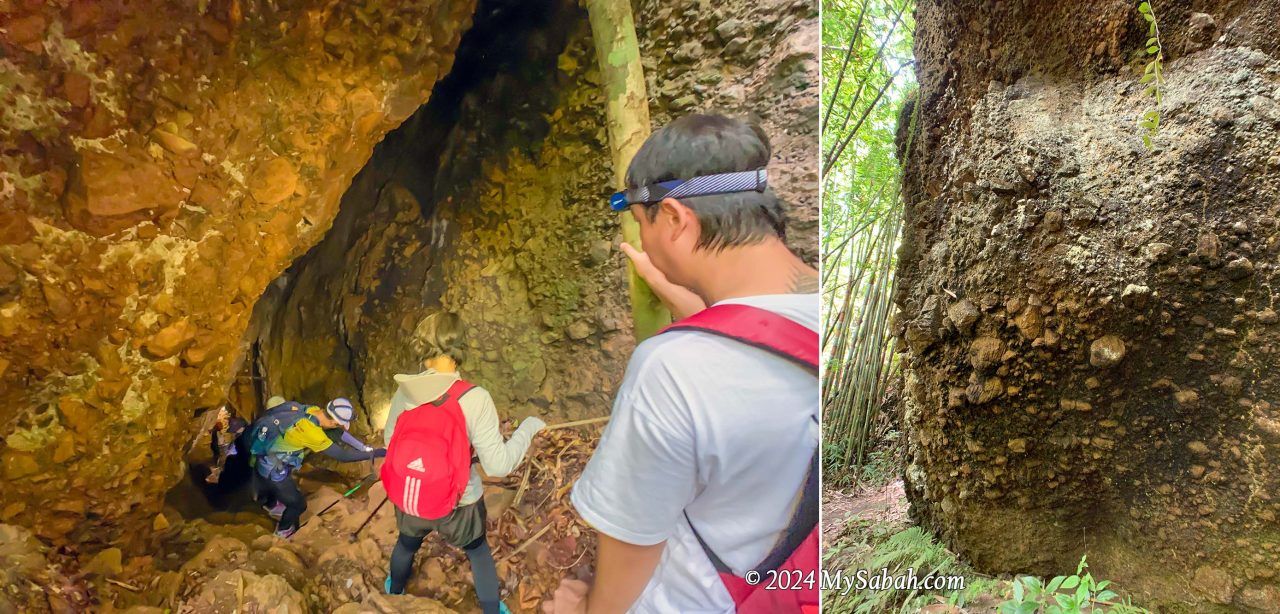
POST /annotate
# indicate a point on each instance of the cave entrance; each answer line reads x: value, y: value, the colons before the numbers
x: 333, y: 324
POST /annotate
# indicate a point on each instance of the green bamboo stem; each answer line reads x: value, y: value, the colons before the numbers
x: 627, y: 113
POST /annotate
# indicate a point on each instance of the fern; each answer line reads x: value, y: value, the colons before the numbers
x: 1153, y: 75
x: 1078, y: 594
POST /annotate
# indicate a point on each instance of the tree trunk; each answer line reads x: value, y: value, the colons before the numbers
x: 618, y: 52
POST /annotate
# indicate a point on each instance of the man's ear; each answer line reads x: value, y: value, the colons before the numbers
x: 679, y: 219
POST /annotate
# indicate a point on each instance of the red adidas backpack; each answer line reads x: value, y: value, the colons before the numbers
x: 429, y: 457
x: 788, y: 577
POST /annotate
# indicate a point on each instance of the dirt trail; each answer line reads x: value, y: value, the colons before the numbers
x: 887, y: 504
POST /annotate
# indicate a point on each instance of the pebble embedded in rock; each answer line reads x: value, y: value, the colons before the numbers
x: 170, y: 340
x: 1106, y: 351
x: 1157, y: 252
x: 1238, y: 269
x: 1198, y: 448
x: 985, y: 353
x: 273, y: 181
x: 1135, y: 296
x: 963, y: 314
x: 579, y: 330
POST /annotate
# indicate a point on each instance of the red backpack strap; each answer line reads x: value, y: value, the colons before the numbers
x: 757, y: 327
x: 455, y: 392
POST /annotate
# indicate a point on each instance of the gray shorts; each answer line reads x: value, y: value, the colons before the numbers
x: 462, y: 526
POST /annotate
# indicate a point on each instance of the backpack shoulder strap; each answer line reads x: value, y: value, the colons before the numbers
x: 757, y: 327
x: 455, y: 392
x: 801, y: 524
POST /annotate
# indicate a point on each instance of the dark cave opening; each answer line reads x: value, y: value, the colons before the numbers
x: 305, y: 341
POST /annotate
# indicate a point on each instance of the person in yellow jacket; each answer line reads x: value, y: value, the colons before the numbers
x: 283, y: 437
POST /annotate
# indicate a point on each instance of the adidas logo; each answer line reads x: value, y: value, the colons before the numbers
x: 416, y: 465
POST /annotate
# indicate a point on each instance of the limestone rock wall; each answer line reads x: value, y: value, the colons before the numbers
x: 161, y: 163
x: 1089, y: 329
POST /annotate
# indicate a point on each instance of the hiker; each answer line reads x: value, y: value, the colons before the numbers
x: 707, y: 469
x: 283, y: 437
x: 227, y: 427
x: 435, y: 421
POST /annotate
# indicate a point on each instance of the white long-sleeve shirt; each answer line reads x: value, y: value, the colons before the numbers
x: 497, y: 457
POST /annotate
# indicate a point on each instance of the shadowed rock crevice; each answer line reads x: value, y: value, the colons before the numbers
x: 507, y: 154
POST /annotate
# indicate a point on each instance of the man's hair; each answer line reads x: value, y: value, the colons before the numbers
x: 439, y: 334
x: 705, y: 144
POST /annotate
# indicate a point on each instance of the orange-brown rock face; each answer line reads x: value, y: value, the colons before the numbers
x: 160, y: 165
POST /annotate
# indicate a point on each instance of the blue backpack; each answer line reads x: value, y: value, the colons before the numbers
x: 272, y: 425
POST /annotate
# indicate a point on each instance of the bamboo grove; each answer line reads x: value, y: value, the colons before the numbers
x: 866, y: 81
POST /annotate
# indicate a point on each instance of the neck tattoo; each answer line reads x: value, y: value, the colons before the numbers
x: 803, y: 281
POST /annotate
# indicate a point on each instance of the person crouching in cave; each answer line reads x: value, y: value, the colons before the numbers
x: 705, y: 477
x: 281, y: 440
x: 227, y: 426
x: 436, y: 419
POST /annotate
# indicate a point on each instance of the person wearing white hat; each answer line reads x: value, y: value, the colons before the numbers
x: 282, y: 439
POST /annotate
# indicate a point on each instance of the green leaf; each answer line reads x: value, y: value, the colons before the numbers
x: 1152, y: 115
x: 1104, y: 584
x: 1017, y: 592
x: 1145, y: 7
x: 1151, y: 29
x: 1151, y: 41
x: 1146, y: 141
x: 1148, y: 17
x: 1071, y: 582
x: 1106, y: 596
x: 1029, y: 607
x: 1054, y: 584
x: 1147, y: 77
x: 1152, y: 50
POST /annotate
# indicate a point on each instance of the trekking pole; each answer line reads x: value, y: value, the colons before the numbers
x: 352, y: 539
x: 565, y: 425
x: 347, y: 494
x: 344, y: 496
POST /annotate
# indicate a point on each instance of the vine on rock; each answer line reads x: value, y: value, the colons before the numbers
x: 1153, y: 75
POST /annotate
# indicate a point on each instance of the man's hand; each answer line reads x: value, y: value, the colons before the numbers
x: 681, y: 301
x: 569, y: 598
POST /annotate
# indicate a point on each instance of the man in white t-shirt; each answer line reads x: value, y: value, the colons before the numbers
x: 705, y: 430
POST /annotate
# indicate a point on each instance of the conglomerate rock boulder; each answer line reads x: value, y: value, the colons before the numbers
x: 1089, y: 329
x: 161, y: 162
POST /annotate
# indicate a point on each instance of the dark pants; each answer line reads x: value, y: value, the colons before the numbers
x: 261, y: 493
x: 456, y: 529
x: 285, y: 491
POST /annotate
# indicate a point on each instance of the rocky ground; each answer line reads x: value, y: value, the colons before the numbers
x: 230, y: 562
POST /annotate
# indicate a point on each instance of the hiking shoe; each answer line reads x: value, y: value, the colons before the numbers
x: 386, y: 587
x: 275, y: 511
x: 286, y: 533
x: 503, y: 609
